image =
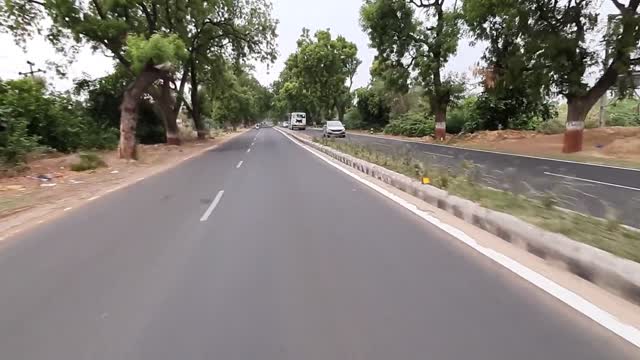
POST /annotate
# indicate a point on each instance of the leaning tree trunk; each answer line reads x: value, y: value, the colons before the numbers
x: 441, y: 123
x: 129, y: 111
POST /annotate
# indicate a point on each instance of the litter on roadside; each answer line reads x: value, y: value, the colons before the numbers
x: 115, y: 172
x: 48, y: 185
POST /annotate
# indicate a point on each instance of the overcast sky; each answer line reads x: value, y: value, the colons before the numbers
x: 340, y: 16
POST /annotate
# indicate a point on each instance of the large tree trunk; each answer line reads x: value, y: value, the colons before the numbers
x: 195, y: 104
x: 441, y: 123
x: 129, y: 111
x: 577, y: 110
x: 163, y: 107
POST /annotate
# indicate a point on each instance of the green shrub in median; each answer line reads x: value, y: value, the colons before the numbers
x: 412, y: 124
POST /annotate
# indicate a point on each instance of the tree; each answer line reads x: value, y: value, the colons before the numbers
x: 218, y: 32
x: 516, y: 91
x: 240, y: 100
x: 555, y: 40
x: 415, y: 37
x: 190, y: 30
x: 318, y: 77
x: 126, y: 30
x: 372, y: 106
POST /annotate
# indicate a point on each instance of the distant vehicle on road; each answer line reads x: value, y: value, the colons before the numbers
x: 285, y: 124
x: 333, y: 128
x: 257, y: 126
x: 298, y: 121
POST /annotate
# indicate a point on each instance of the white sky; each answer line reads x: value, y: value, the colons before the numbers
x: 340, y: 16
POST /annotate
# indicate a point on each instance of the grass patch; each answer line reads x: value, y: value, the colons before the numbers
x: 607, y: 235
x: 88, y: 161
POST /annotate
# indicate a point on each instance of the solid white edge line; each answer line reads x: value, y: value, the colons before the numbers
x: 239, y: 164
x: 93, y: 198
x: 501, y: 153
x: 592, y: 181
x: 212, y: 207
x: 575, y: 301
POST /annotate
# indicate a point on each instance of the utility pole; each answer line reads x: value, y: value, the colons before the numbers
x: 31, y: 72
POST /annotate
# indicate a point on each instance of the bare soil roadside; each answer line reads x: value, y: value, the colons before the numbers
x: 27, y: 200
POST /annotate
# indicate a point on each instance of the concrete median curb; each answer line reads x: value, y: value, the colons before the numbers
x: 620, y: 276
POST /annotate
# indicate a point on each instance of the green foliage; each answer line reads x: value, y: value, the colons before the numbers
x: 411, y: 124
x: 156, y: 50
x: 373, y: 107
x: 102, y: 98
x: 15, y: 141
x: 240, y: 99
x: 353, y: 120
x: 537, y: 48
x: 414, y: 38
x: 32, y: 116
x: 88, y: 161
x: 462, y: 116
x: 624, y: 113
x: 317, y: 78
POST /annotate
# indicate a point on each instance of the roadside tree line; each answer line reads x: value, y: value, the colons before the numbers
x: 168, y: 55
x: 536, y: 52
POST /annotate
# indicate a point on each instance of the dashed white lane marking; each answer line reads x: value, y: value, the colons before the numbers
x: 249, y: 150
x: 212, y: 207
x: 575, y: 301
x: 93, y: 198
x: 592, y: 181
x: 436, y: 154
x: 67, y: 209
x: 239, y: 164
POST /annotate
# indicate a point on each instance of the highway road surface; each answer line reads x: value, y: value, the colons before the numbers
x: 601, y: 191
x: 260, y: 250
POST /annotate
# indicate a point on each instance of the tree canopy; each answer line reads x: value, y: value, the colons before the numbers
x: 414, y: 40
x: 547, y: 46
x: 318, y: 77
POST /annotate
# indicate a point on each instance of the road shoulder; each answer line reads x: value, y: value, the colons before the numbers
x: 54, y: 202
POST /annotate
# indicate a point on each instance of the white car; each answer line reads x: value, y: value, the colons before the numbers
x: 285, y: 124
x: 333, y: 128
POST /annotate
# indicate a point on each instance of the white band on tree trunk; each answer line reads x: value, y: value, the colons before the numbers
x: 575, y: 125
x: 441, y: 125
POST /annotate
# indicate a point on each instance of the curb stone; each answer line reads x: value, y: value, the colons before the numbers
x: 618, y: 275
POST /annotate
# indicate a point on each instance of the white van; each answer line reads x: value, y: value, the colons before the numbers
x: 297, y: 121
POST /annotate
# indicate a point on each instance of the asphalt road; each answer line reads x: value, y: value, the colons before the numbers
x: 294, y: 260
x: 596, y: 190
